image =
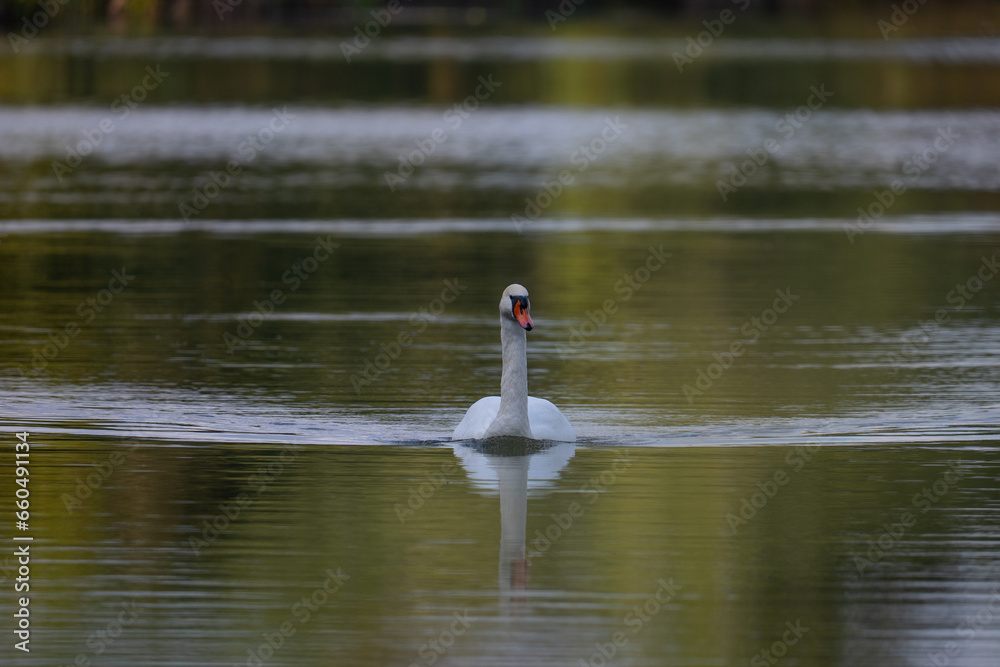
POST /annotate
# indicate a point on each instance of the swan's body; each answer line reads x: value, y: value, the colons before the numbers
x: 545, y: 420
x: 513, y: 412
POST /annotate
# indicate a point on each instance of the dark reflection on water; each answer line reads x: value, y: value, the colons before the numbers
x: 602, y: 543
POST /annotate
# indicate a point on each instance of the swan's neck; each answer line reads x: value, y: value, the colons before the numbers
x: 512, y: 417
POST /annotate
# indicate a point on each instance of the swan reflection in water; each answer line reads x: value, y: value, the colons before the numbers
x: 513, y: 468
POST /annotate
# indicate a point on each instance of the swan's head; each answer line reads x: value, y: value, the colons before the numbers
x: 514, y: 305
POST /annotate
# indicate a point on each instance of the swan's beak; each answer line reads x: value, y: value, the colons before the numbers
x: 521, y: 315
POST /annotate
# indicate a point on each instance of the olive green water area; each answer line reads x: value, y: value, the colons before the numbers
x: 241, y: 321
x: 879, y: 554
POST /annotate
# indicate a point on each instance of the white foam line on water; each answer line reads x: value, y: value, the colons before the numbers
x: 358, y: 433
x: 951, y: 50
x: 322, y: 317
x: 945, y: 223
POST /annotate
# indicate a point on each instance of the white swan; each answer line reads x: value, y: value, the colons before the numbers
x: 513, y: 412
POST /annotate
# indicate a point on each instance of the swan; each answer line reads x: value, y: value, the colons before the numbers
x: 513, y: 412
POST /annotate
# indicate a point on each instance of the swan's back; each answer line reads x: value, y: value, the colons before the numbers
x: 544, y: 418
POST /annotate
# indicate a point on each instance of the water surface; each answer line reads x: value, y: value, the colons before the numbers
x: 787, y: 410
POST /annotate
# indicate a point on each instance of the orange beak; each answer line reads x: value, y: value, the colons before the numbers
x: 522, y: 317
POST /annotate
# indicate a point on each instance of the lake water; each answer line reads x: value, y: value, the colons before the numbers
x: 242, y: 315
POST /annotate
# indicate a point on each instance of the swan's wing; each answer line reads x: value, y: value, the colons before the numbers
x: 547, y: 423
x: 478, y: 418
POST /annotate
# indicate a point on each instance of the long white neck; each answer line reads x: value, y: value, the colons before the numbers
x: 512, y: 417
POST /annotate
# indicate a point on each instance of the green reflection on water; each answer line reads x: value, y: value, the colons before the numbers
x: 829, y: 352
x: 643, y: 516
